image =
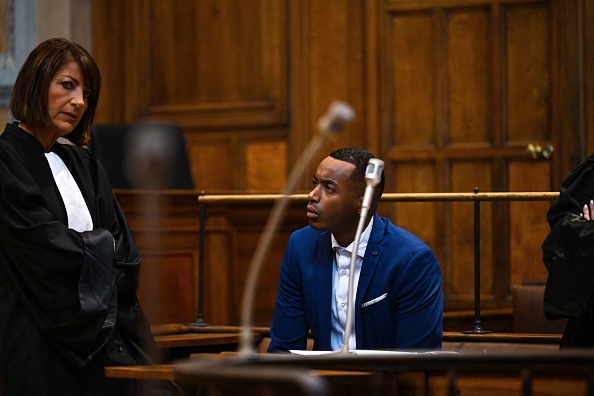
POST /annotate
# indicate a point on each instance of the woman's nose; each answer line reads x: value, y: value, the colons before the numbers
x: 78, y: 98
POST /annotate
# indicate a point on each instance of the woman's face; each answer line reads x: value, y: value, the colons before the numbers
x: 67, y: 99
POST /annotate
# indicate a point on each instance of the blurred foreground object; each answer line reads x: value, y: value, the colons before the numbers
x: 145, y: 155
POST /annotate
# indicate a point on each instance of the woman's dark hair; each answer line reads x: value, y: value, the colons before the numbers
x: 359, y: 157
x: 28, y: 102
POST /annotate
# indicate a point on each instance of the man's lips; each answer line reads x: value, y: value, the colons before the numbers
x: 312, y: 213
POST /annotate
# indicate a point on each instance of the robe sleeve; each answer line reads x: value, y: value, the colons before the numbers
x: 570, y: 283
x: 568, y: 249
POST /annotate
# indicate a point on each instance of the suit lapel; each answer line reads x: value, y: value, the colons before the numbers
x: 373, y: 253
x: 324, y: 286
x: 372, y: 256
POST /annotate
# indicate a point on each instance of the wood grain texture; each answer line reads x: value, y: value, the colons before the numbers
x: 449, y: 93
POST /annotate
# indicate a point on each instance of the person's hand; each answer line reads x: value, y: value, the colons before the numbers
x: 588, y: 211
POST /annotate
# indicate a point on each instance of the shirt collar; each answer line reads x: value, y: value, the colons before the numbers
x: 362, y: 242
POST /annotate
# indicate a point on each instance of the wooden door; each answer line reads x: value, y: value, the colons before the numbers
x: 466, y: 88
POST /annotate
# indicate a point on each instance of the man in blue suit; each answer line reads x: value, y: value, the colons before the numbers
x: 399, y: 302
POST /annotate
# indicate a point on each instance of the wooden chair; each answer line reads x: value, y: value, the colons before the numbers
x: 528, y: 313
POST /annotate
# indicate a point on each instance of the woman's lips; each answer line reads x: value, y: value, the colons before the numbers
x: 71, y: 116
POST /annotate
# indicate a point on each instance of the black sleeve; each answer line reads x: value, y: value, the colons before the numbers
x: 576, y: 190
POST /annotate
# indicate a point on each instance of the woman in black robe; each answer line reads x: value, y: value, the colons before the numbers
x: 68, y: 262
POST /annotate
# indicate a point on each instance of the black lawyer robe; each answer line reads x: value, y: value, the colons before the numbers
x: 68, y: 302
x: 568, y: 253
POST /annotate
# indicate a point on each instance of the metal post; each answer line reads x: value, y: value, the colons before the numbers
x: 200, y: 320
x: 478, y: 329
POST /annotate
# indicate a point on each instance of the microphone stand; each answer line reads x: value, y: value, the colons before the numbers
x: 339, y: 114
x: 374, y: 168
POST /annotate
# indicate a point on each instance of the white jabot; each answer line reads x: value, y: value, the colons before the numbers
x: 79, y: 217
x: 340, y: 288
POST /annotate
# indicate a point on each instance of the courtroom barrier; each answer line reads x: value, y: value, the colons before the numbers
x: 575, y: 366
x: 476, y: 198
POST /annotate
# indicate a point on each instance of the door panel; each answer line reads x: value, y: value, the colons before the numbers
x: 410, y: 54
x: 528, y: 70
x: 469, y: 85
x: 528, y: 227
x: 468, y: 67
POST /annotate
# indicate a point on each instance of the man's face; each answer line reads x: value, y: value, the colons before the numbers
x: 335, y: 201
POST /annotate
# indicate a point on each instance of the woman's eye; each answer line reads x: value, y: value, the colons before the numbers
x: 67, y: 84
x: 86, y: 94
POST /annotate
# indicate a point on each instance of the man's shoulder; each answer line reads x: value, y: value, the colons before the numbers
x: 393, y: 234
x: 308, y: 233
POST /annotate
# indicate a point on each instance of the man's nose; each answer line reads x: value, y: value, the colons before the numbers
x: 313, y: 194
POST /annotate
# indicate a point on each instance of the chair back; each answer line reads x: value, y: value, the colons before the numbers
x: 528, y: 311
x: 145, y: 155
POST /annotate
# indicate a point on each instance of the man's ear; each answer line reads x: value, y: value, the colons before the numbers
x: 359, y: 204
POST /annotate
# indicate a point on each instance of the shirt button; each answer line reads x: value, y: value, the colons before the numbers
x: 342, y: 305
x: 344, y: 272
x: 120, y: 349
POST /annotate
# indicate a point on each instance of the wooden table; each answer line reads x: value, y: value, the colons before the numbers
x: 179, y: 340
x: 197, y: 339
x: 153, y: 372
x: 338, y: 379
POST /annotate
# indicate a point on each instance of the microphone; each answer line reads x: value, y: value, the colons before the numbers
x: 373, y: 176
x: 338, y: 115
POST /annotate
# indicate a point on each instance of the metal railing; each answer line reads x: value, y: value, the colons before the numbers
x: 476, y: 197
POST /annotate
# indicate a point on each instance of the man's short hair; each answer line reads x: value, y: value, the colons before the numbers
x: 360, y: 158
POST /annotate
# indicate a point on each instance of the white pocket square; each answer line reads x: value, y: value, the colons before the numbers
x: 375, y: 300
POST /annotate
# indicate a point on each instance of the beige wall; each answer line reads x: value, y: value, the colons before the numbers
x: 65, y: 18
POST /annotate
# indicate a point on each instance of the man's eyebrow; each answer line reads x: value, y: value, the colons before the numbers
x: 328, y: 182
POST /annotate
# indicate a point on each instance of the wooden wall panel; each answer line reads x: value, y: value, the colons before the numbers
x: 169, y: 290
x: 470, y: 85
x: 528, y: 226
x: 448, y: 93
x: 221, y: 63
x: 468, y: 67
x: 261, y: 174
x: 411, y: 60
x: 585, y: 45
x: 219, y: 267
x: 327, y: 58
x: 465, y: 175
x: 212, y: 163
x: 246, y: 224
x: 529, y: 49
x: 217, y: 68
x: 166, y: 229
x: 418, y: 177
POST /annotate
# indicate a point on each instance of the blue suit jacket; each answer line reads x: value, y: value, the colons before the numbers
x: 400, y: 278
